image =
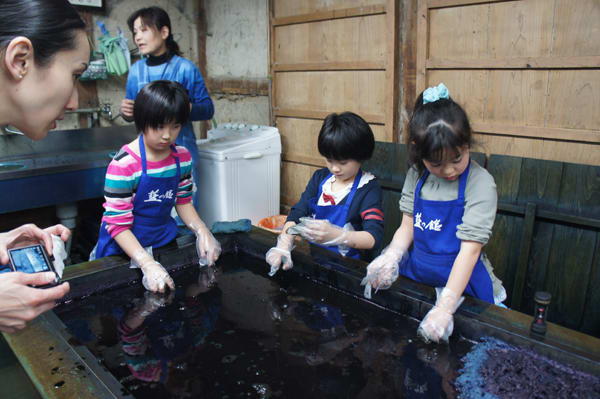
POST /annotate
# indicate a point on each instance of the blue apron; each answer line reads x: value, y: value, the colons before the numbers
x: 186, y: 137
x: 436, y: 246
x: 152, y: 221
x: 335, y: 214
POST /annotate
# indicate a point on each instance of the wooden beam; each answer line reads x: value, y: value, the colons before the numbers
x: 392, y: 78
x: 422, y: 46
x: 315, y: 114
x: 454, y: 3
x: 303, y: 159
x: 247, y: 87
x: 555, y: 133
x: 409, y: 62
x: 330, y: 14
x: 330, y: 66
x: 516, y: 63
x: 518, y: 287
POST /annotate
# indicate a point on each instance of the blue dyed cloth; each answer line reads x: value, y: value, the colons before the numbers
x: 242, y: 225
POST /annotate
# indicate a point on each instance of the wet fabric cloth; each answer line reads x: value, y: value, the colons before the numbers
x: 152, y: 223
x: 335, y: 214
x: 365, y: 211
x: 181, y: 70
x: 435, y: 245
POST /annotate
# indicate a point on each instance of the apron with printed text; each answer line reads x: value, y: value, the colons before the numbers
x: 435, y: 245
x: 152, y: 221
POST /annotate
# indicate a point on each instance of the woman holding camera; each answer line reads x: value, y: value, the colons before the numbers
x: 43, y: 51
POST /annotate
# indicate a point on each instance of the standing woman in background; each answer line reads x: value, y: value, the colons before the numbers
x: 43, y: 51
x: 152, y: 33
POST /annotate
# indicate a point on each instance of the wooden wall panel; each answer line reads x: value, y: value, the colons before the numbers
x: 294, y: 178
x: 520, y: 29
x: 577, y: 29
x: 526, y: 71
x: 362, y: 92
x: 466, y: 39
x: 574, y: 99
x: 286, y: 8
x: 329, y: 56
x: 336, y: 41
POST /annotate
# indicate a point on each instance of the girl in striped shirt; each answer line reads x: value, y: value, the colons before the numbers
x: 145, y: 180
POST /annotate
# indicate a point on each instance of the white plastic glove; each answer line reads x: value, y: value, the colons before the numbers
x: 207, y: 246
x: 281, y: 254
x: 59, y: 253
x: 382, y: 271
x: 156, y: 278
x: 321, y: 231
x: 439, y: 321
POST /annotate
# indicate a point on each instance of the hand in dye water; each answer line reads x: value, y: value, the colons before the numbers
x: 207, y: 246
x: 29, y: 234
x: 438, y: 324
x: 20, y: 303
x: 281, y: 255
x: 156, y: 278
x: 382, y: 271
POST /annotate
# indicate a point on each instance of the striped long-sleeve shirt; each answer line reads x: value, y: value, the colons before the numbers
x: 122, y: 178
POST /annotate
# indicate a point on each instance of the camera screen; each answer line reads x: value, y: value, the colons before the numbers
x: 29, y: 259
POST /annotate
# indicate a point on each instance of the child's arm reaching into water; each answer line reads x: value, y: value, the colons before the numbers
x: 156, y: 278
x: 383, y: 270
x: 207, y: 246
x: 439, y: 321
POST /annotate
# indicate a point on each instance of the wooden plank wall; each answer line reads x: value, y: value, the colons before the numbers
x: 526, y: 71
x: 328, y: 56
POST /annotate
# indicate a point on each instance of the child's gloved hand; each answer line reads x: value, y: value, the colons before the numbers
x: 156, y: 278
x: 439, y: 321
x: 207, y: 246
x: 382, y: 271
x: 281, y: 254
x: 321, y: 231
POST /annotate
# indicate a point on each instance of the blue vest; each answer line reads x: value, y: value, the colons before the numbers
x: 435, y: 245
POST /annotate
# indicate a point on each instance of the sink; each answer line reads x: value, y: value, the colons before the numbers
x: 67, y: 166
x: 10, y: 166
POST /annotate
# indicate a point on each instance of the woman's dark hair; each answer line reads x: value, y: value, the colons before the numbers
x: 50, y: 25
x: 161, y: 102
x: 156, y: 18
x: 436, y: 128
x: 346, y: 136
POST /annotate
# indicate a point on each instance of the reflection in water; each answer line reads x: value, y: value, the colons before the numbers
x: 252, y: 336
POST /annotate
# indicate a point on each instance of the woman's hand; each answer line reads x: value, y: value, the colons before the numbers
x: 30, y: 234
x: 20, y: 303
x: 127, y: 108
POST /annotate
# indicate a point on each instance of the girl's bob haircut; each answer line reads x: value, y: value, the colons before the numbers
x: 161, y: 102
x: 346, y: 136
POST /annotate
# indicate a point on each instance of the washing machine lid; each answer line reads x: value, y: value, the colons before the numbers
x: 225, y: 143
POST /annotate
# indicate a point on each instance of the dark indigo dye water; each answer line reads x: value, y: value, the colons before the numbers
x: 250, y: 336
x: 237, y: 333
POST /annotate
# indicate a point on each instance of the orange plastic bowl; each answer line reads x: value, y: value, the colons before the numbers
x: 273, y: 223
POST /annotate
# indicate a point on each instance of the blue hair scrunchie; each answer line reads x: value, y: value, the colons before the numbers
x: 432, y: 94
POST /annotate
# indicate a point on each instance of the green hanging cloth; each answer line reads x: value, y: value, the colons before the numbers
x: 116, y: 64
